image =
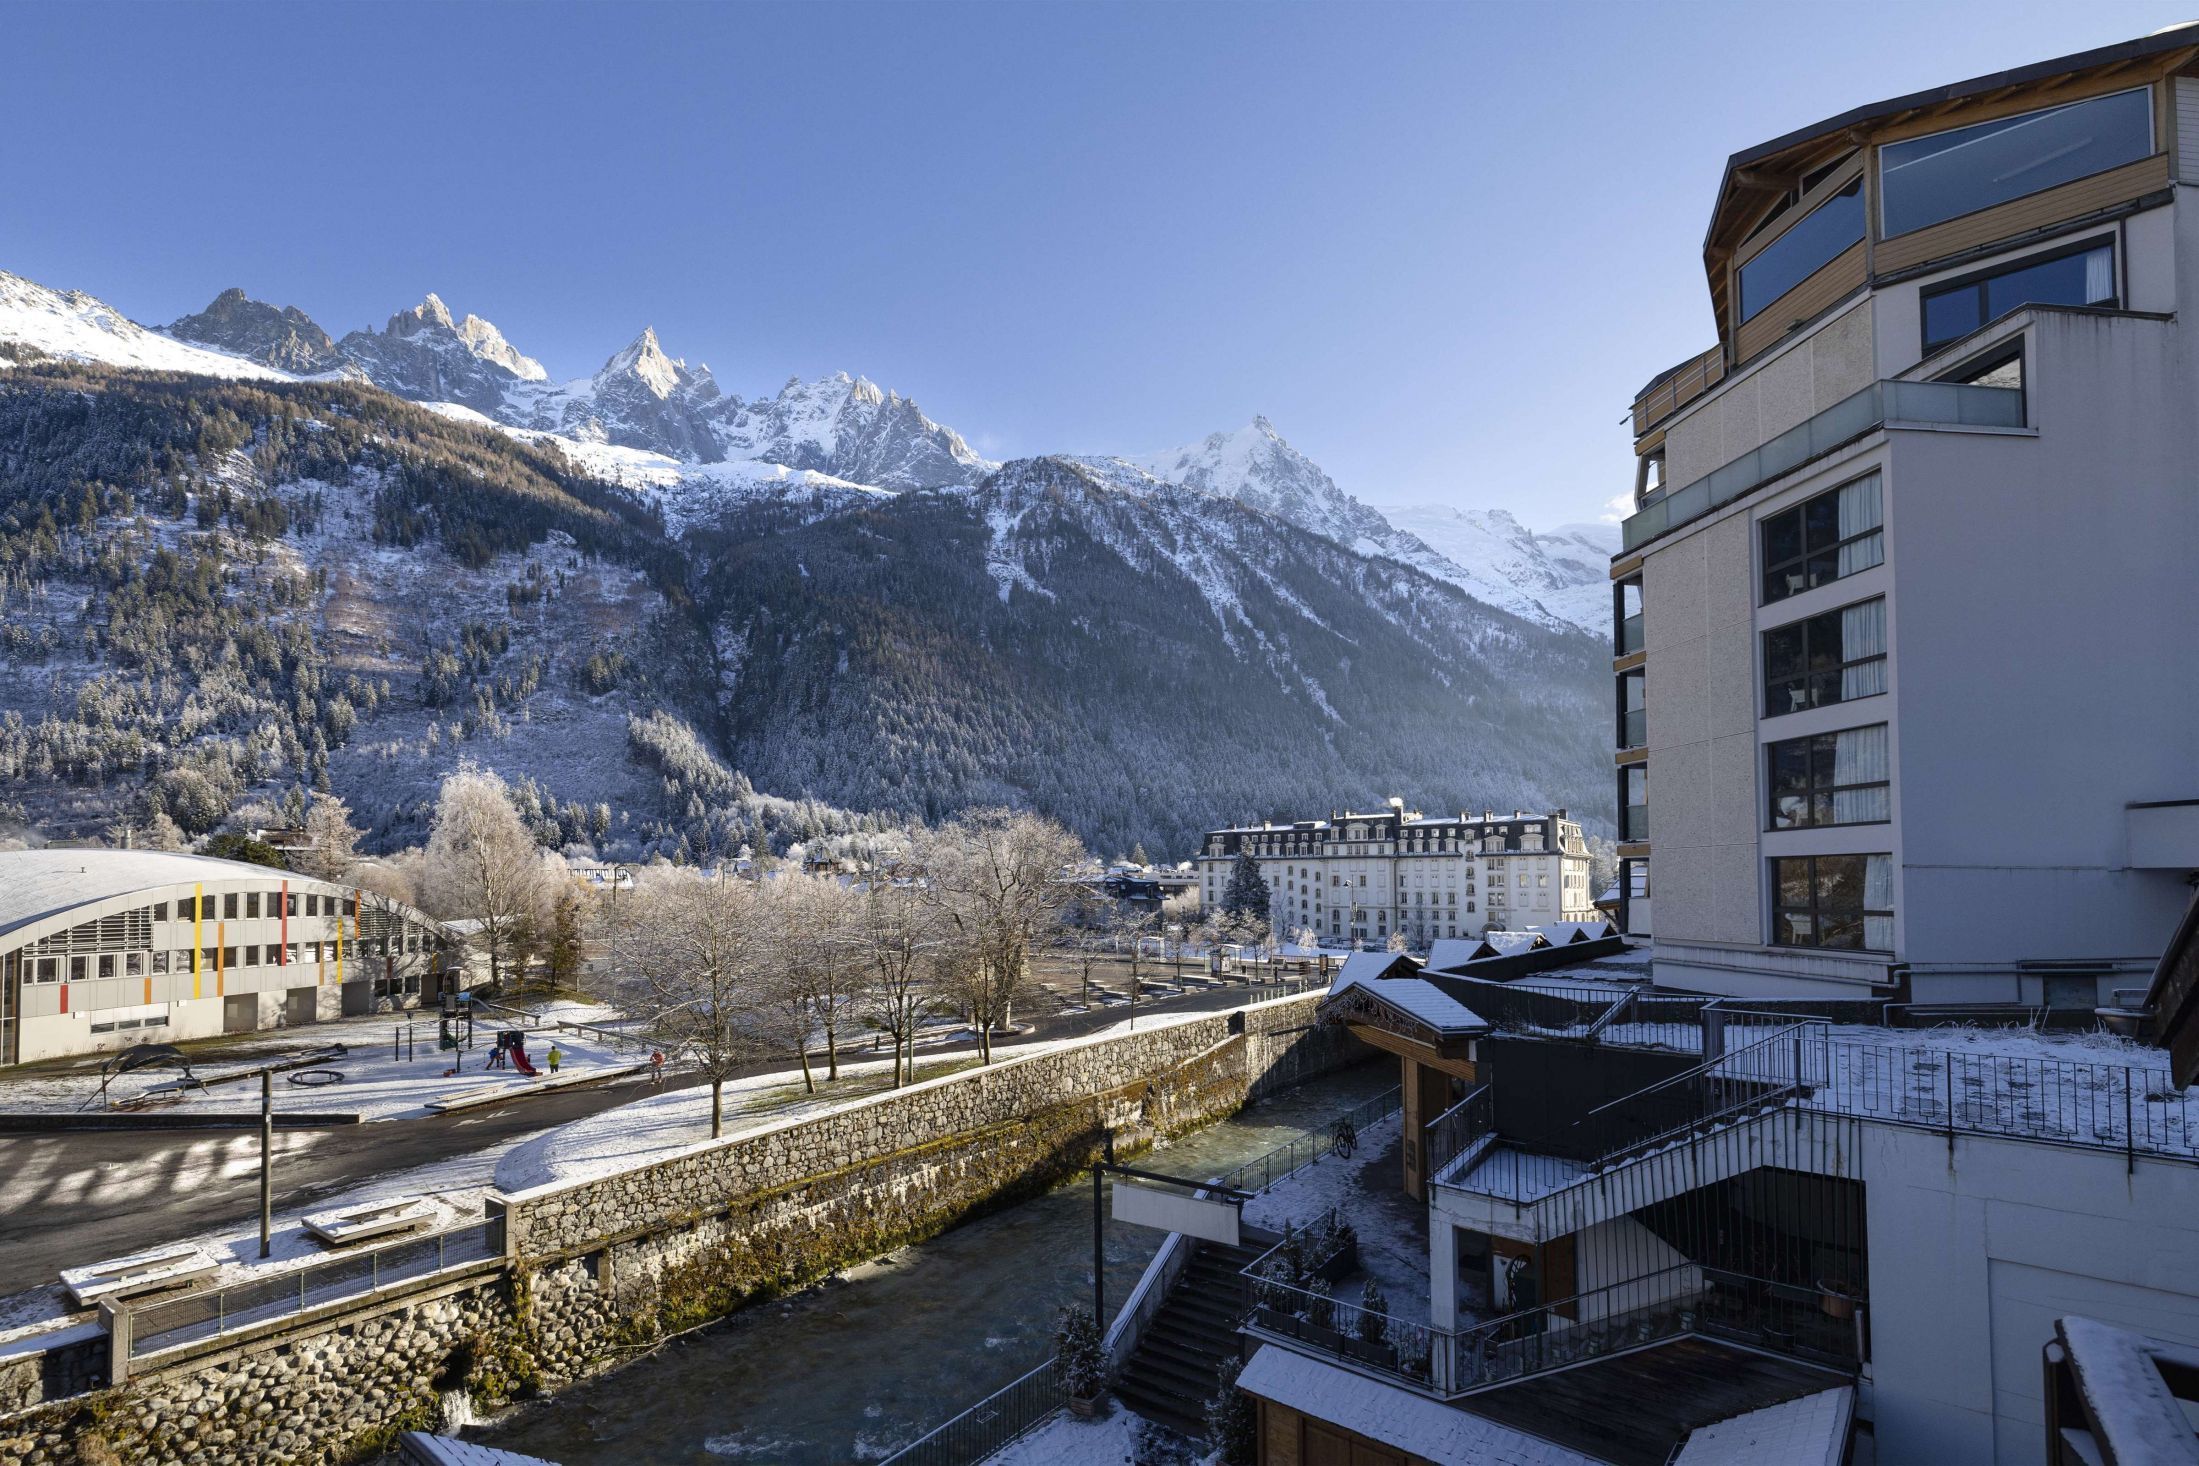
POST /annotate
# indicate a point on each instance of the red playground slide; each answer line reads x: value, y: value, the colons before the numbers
x: 518, y: 1046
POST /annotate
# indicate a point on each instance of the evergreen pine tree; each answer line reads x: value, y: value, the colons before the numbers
x: 1246, y: 894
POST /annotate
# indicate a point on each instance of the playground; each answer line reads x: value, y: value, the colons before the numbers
x: 388, y: 1066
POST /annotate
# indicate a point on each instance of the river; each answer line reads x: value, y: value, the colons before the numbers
x: 858, y: 1366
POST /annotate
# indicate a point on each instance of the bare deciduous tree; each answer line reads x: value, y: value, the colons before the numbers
x: 691, y: 958
x: 896, y: 938
x: 993, y: 876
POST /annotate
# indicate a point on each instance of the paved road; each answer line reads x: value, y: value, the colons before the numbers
x: 78, y: 1197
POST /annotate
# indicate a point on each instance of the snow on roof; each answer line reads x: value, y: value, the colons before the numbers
x: 42, y: 883
x: 1393, y: 1416
x: 1810, y: 1431
x: 1446, y: 952
x: 1507, y: 944
x: 1415, y: 996
x: 2119, y: 1372
x: 1372, y: 966
x: 1565, y: 933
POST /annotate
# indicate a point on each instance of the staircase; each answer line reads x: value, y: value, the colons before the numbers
x: 1178, y: 1363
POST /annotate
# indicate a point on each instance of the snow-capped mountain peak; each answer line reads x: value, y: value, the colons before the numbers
x: 644, y: 360
x: 77, y: 327
x: 1255, y: 466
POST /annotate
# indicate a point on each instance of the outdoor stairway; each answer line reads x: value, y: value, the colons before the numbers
x: 1178, y: 1362
x: 1773, y: 1135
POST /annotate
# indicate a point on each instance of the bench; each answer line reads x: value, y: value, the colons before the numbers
x: 177, y: 1266
x: 379, y: 1219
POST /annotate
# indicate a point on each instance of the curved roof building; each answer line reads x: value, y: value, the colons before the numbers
x: 102, y: 948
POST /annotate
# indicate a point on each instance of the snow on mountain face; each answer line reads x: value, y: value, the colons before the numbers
x: 1566, y: 571
x: 848, y: 427
x: 282, y: 337
x: 1256, y: 467
x: 79, y: 327
x: 425, y: 355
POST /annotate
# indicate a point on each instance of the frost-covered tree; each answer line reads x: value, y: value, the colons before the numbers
x: 482, y: 863
x: 332, y: 840
x: 693, y: 960
x: 994, y: 878
x: 896, y: 938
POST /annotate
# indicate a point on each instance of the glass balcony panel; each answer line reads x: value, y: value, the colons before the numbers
x: 1635, y: 729
x: 1634, y: 822
x: 1630, y: 635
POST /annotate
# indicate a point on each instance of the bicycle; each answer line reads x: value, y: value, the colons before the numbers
x: 1346, y: 1139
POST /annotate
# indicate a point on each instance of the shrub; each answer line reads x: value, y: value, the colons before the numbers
x: 1373, y: 1305
x: 1078, y: 1354
x: 1232, y: 1421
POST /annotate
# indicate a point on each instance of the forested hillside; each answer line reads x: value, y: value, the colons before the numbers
x: 220, y: 590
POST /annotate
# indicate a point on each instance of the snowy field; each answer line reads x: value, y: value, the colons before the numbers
x: 382, y: 1080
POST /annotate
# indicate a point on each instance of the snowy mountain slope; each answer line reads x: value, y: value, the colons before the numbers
x: 1254, y: 466
x: 851, y: 428
x: 1566, y: 570
x: 1510, y: 569
x: 283, y: 337
x: 78, y: 327
x: 426, y: 355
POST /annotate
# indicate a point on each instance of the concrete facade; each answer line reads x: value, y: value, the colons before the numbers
x: 2037, y: 689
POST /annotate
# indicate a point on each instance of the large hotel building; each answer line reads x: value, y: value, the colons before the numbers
x: 1905, y: 697
x: 1361, y: 878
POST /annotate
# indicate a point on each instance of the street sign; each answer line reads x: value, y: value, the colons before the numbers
x: 1210, y: 1219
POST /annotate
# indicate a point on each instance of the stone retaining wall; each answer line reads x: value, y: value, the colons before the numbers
x: 596, y: 1267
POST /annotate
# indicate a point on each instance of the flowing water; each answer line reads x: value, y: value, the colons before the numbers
x: 856, y: 1368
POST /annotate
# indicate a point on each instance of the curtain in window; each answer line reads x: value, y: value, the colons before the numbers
x: 1859, y: 757
x: 1863, y: 634
x: 1860, y: 510
x: 1878, y: 895
x: 2099, y: 276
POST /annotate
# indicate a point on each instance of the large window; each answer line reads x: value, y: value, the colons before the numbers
x: 1822, y: 539
x: 2081, y: 276
x: 1809, y: 245
x: 1840, y: 901
x: 1930, y: 179
x: 1829, y: 779
x: 1837, y: 657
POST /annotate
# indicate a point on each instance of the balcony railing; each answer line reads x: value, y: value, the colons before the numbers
x: 1950, y: 403
x: 1634, y: 728
x: 1449, y: 1134
x: 1630, y: 635
x: 1634, y: 823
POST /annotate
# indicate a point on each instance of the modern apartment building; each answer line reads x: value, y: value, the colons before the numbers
x: 1904, y: 697
x: 1361, y: 878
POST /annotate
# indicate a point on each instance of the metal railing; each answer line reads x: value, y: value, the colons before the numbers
x: 1400, y: 1348
x: 1880, y: 403
x: 1450, y: 1134
x: 1288, y: 1159
x: 991, y: 1423
x: 173, y: 1322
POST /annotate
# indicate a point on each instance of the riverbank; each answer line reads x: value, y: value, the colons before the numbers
x: 857, y: 1366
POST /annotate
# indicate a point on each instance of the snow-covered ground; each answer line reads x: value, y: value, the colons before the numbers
x: 662, y: 1125
x: 381, y: 1082
x: 1368, y: 1190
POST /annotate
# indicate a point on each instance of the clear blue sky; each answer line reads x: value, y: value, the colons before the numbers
x: 1439, y: 245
